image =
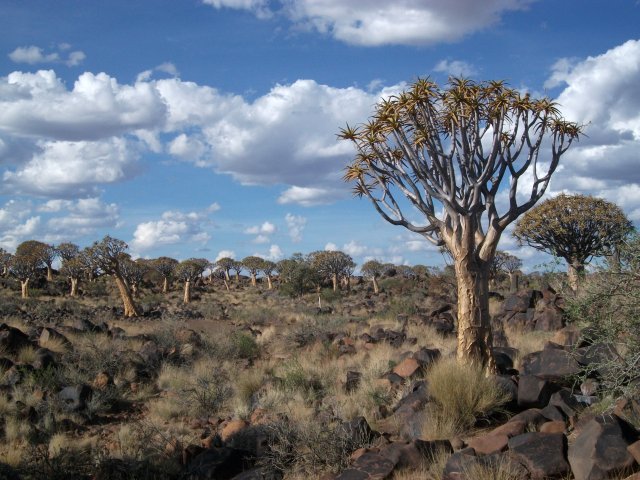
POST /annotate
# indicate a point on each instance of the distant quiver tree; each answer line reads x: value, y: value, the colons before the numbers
x: 447, y: 152
x: 575, y: 228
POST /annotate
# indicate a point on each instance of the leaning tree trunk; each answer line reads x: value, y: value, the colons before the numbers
x: 187, y: 292
x: 575, y: 272
x: 376, y: 287
x: 74, y: 287
x: 130, y: 308
x: 226, y: 284
x: 269, y: 283
x: 24, y: 287
x: 474, y: 320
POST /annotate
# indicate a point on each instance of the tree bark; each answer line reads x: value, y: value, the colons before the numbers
x: 74, y: 287
x: 334, y: 282
x: 24, y: 287
x: 514, y: 282
x: 474, y: 320
x: 376, y: 287
x: 269, y: 283
x: 165, y: 285
x: 187, y: 292
x: 49, y: 273
x: 575, y: 272
x: 130, y: 308
x: 226, y: 284
x: 253, y: 279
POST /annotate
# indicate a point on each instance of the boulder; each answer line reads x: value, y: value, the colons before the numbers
x: 543, y: 454
x: 552, y: 363
x: 12, y: 340
x: 50, y: 335
x: 218, y: 463
x: 534, y: 392
x: 369, y: 465
x: 407, y: 368
x: 600, y: 449
x: 353, y: 381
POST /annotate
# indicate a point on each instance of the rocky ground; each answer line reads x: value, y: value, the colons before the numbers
x: 250, y: 384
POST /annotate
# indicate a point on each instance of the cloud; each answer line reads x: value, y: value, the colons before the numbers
x: 266, y: 228
x: 295, y: 224
x: 456, y: 68
x: 310, y: 196
x: 33, y: 55
x: 72, y: 169
x: 84, y: 217
x: 225, y: 253
x: 331, y: 247
x: 174, y: 227
x: 380, y: 22
x: 603, y: 93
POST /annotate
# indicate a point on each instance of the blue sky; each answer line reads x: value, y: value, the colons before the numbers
x: 208, y: 127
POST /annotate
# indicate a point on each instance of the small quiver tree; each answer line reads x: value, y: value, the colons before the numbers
x: 107, y: 256
x: 189, y: 271
x: 373, y: 269
x: 268, y: 268
x: 166, y: 267
x: 74, y: 268
x: 575, y: 228
x: 446, y: 152
x: 253, y: 265
x: 133, y: 272
x: 5, y: 261
x: 225, y: 263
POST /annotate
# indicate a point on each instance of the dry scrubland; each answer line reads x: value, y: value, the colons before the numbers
x: 250, y: 379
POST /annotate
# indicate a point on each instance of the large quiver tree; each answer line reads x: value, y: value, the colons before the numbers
x: 450, y: 150
x: 107, y: 255
x: 575, y: 228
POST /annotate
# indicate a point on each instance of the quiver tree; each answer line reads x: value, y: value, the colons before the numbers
x: 373, y: 269
x: 74, y: 268
x: 67, y: 250
x: 133, y: 272
x: 332, y: 265
x: 28, y: 259
x: 446, y: 152
x: 268, y: 268
x: 5, y: 261
x: 166, y: 267
x: 225, y: 263
x: 189, y: 271
x: 107, y: 256
x: 504, y: 262
x: 575, y: 228
x: 237, y: 267
x: 253, y: 265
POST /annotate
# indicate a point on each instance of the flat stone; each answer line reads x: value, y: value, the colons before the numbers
x: 553, y: 427
x: 488, y: 444
x: 407, y: 368
x: 541, y: 453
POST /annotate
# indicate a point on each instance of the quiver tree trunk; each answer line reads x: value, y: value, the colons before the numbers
x: 130, y: 307
x: 474, y: 320
x: 376, y: 287
x: 253, y: 279
x: 346, y: 282
x: 24, y: 288
x: 575, y: 272
x: 269, y: 282
x: 334, y: 281
x: 187, y: 292
x: 226, y: 284
x: 49, y: 273
x: 165, y: 285
x: 514, y: 281
x: 74, y: 287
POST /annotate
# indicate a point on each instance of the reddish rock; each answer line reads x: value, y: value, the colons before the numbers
x: 102, y: 380
x: 488, y: 444
x: 553, y: 427
x: 231, y: 427
x: 511, y: 429
x: 634, y: 450
x: 407, y: 367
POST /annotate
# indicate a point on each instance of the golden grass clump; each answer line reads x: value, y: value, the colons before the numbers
x: 461, y: 394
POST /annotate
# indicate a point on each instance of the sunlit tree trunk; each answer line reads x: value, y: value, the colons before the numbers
x: 513, y: 282
x: 24, y: 287
x: 575, y: 272
x: 226, y: 284
x: 376, y: 287
x: 74, y: 287
x: 269, y: 283
x: 334, y: 281
x: 165, y: 285
x: 130, y: 308
x: 253, y: 279
x: 187, y: 292
x: 49, y: 273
